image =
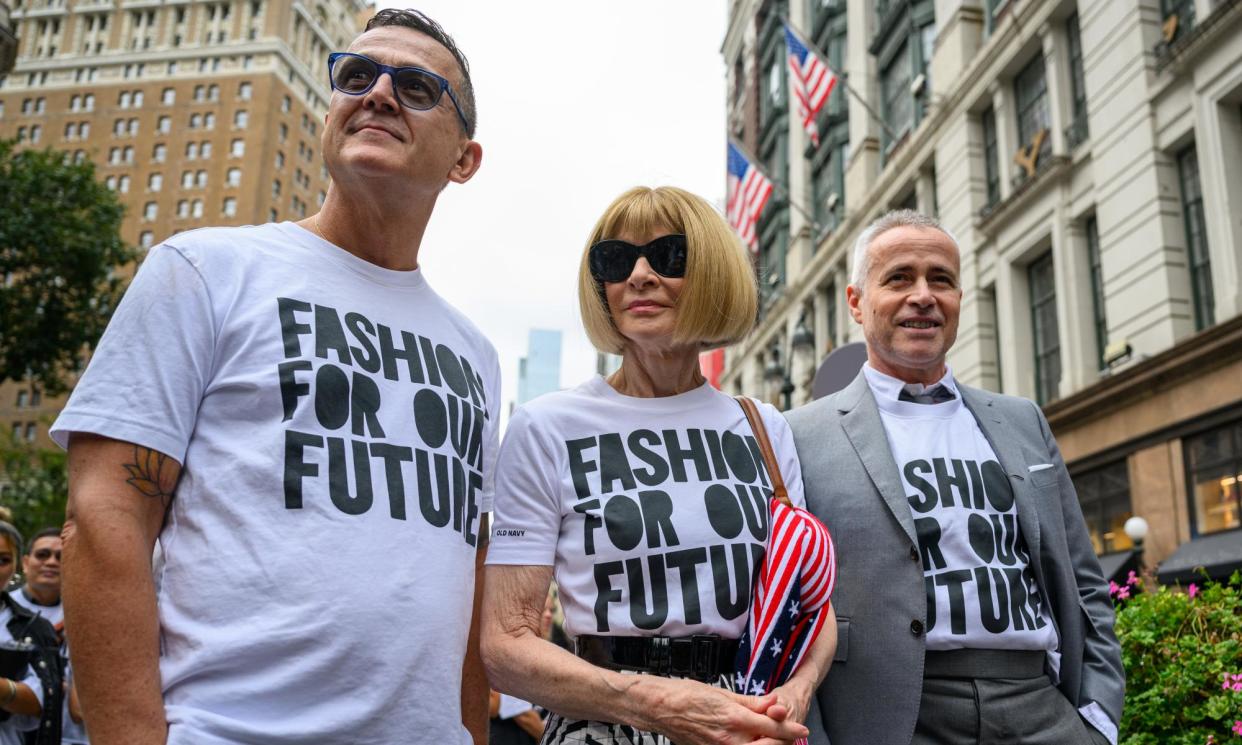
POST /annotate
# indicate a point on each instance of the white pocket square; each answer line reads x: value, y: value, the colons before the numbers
x: 1039, y: 467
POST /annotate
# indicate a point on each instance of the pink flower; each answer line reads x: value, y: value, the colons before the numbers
x: 1237, y: 727
x: 1132, y: 579
x: 1113, y: 587
x: 1123, y: 593
x: 1192, y: 590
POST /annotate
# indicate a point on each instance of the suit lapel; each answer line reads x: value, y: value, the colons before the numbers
x: 1010, y: 457
x: 861, y: 420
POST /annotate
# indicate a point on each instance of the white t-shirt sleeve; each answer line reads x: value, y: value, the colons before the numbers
x: 146, y: 379
x: 491, y: 442
x: 527, y: 504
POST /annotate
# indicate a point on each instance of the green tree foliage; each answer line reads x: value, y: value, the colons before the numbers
x: 59, y: 244
x: 34, y: 487
x: 1183, y: 658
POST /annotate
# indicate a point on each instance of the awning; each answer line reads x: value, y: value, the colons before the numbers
x: 1220, y: 554
x: 1117, y: 566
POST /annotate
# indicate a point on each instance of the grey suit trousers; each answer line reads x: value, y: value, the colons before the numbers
x: 984, y: 711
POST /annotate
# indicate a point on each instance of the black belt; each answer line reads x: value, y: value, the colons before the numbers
x: 985, y: 663
x: 703, y: 657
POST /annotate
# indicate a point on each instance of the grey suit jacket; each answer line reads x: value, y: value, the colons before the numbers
x: 871, y: 695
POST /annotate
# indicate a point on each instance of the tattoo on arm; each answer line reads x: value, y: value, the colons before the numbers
x: 153, y: 474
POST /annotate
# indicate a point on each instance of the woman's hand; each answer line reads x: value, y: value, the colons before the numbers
x: 792, y: 702
x: 692, y: 713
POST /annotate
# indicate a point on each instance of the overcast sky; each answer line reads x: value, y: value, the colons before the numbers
x: 578, y: 101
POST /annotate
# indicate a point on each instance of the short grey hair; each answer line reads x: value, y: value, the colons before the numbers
x: 887, y: 222
x: 15, y: 538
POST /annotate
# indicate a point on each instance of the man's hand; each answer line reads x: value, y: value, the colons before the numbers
x: 793, y: 701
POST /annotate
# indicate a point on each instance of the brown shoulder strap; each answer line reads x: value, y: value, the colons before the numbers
x: 765, y: 447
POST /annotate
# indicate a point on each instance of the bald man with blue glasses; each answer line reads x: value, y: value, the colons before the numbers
x: 307, y: 432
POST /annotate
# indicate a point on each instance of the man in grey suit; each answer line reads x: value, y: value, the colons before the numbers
x: 970, y: 605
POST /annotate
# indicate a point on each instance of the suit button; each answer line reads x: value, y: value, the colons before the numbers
x: 916, y: 627
x: 914, y: 553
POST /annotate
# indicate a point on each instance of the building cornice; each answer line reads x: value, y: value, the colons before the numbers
x: 1191, y: 358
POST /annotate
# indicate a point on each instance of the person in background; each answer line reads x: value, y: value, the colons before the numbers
x: 40, y: 594
x: 30, y: 682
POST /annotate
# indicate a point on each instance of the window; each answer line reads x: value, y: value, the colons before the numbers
x: 1213, y: 469
x: 89, y: 102
x: 155, y: 182
x: 1184, y: 10
x: 205, y: 149
x: 129, y: 154
x: 234, y: 177
x: 118, y: 127
x: 40, y: 105
x: 285, y: 104
x: 31, y: 430
x: 137, y: 99
x: 898, y: 105
x: 123, y: 185
x: 169, y: 96
x: 1077, y: 130
x: 36, y: 397
x: 196, y: 121
x: 284, y: 132
x: 830, y: 305
x: 199, y: 92
x: 244, y: 91
x: 1044, y: 317
x: 132, y: 129
x: 122, y: 100
x: 36, y: 131
x: 114, y: 154
x: 146, y: 239
x: 71, y: 130
x: 158, y: 153
x: 191, y: 150
x: 164, y: 126
x: 183, y: 208
x: 230, y: 206
x: 238, y: 148
x: 991, y: 165
x: 1031, y: 94
x: 21, y: 398
x: 84, y: 130
x: 241, y: 118
x: 197, y: 208
x: 150, y: 210
x: 209, y: 120
x: 213, y: 93
x: 200, y: 179
x: 276, y: 188
x: 1196, y: 239
x: 1097, y: 289
x: 187, y: 179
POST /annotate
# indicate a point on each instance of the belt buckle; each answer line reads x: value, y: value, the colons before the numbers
x: 704, y: 656
x: 660, y: 658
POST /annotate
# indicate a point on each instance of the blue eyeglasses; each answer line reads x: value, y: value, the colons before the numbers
x: 415, y: 88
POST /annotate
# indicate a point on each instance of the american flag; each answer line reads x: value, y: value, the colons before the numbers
x: 789, y: 604
x: 748, y: 192
x: 811, y: 81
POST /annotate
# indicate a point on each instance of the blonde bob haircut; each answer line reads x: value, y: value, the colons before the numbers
x: 719, y: 302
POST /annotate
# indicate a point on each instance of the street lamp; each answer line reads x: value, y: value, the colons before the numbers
x: 776, y: 372
x: 1136, y: 529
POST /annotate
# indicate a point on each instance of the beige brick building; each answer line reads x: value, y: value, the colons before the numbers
x: 195, y: 113
x: 1088, y: 157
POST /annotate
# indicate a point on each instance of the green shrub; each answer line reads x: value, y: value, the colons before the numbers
x: 1183, y: 658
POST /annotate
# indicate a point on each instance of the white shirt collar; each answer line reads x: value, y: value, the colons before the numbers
x: 886, y: 387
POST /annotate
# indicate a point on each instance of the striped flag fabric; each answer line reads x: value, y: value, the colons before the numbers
x: 811, y: 81
x: 748, y: 191
x: 790, y: 600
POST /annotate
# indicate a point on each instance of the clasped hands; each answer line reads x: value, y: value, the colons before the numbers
x: 692, y: 713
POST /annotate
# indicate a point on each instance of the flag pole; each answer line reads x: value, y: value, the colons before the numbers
x: 892, y: 136
x: 776, y: 186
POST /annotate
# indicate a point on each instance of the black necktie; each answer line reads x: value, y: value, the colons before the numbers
x: 937, y: 394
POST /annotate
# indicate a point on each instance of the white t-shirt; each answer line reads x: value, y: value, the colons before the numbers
x: 654, y: 511
x: 980, y: 590
x: 337, y: 426
x: 12, y: 728
x: 53, y: 614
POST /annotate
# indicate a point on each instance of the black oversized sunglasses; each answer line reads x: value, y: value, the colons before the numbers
x: 414, y: 87
x: 614, y: 260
